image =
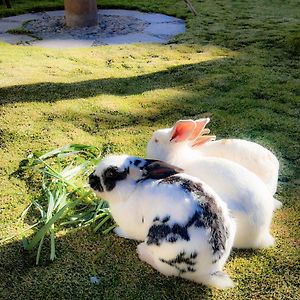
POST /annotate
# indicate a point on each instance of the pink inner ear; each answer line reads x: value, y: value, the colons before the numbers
x: 203, y: 139
x: 200, y: 124
x: 182, y: 130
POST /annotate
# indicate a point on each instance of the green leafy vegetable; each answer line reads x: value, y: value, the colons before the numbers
x: 65, y: 197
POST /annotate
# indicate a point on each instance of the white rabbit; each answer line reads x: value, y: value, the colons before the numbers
x: 184, y: 225
x: 246, y: 195
x: 251, y: 155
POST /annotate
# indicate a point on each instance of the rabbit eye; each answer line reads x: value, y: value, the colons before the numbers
x: 111, y: 176
x: 156, y: 141
x: 111, y: 173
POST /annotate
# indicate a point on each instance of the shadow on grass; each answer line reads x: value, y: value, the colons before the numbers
x: 170, y: 78
x: 102, y: 121
x: 80, y: 255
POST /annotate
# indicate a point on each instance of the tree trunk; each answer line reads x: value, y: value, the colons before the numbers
x: 81, y: 13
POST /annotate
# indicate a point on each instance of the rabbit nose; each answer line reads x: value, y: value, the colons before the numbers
x: 94, y: 182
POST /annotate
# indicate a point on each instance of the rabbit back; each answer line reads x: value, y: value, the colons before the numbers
x: 250, y: 155
x: 246, y: 195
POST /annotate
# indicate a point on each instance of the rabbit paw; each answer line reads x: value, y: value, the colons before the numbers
x: 277, y: 204
x: 267, y: 241
x: 219, y: 280
x: 119, y: 232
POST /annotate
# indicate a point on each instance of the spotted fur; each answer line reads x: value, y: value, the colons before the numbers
x: 183, y: 262
x: 160, y: 232
x: 207, y: 215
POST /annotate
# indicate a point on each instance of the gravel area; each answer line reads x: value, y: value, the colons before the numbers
x: 109, y: 26
x: 116, y: 26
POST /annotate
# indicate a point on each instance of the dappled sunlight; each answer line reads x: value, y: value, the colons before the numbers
x: 77, y: 65
x: 122, y: 121
x: 149, y: 103
x: 176, y: 76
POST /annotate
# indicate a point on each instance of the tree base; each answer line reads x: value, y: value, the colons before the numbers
x: 81, y: 13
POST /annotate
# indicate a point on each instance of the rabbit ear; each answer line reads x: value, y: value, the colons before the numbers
x: 200, y: 124
x: 182, y: 130
x: 156, y: 169
x: 205, y: 131
x: 203, y: 139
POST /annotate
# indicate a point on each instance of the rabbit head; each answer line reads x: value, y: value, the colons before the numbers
x: 116, y: 176
x: 170, y: 141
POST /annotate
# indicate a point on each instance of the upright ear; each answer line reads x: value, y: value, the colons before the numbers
x: 182, y: 130
x: 156, y: 169
x: 199, y: 129
x: 203, y: 139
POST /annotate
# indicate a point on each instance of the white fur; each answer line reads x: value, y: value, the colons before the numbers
x: 134, y: 206
x: 246, y: 195
x: 250, y: 155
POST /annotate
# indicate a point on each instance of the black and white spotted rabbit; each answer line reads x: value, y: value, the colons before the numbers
x: 184, y: 225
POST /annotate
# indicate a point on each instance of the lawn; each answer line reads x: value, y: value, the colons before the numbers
x: 237, y: 63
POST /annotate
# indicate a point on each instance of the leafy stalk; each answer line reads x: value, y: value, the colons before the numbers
x: 65, y: 201
x: 42, y: 231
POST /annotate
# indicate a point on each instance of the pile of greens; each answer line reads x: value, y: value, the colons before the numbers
x: 64, y: 198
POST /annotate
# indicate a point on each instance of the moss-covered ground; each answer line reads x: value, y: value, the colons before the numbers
x: 237, y: 63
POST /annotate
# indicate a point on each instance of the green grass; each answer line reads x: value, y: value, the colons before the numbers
x: 238, y: 63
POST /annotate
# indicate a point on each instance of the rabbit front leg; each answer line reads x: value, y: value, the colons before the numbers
x: 277, y: 204
x: 119, y: 232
